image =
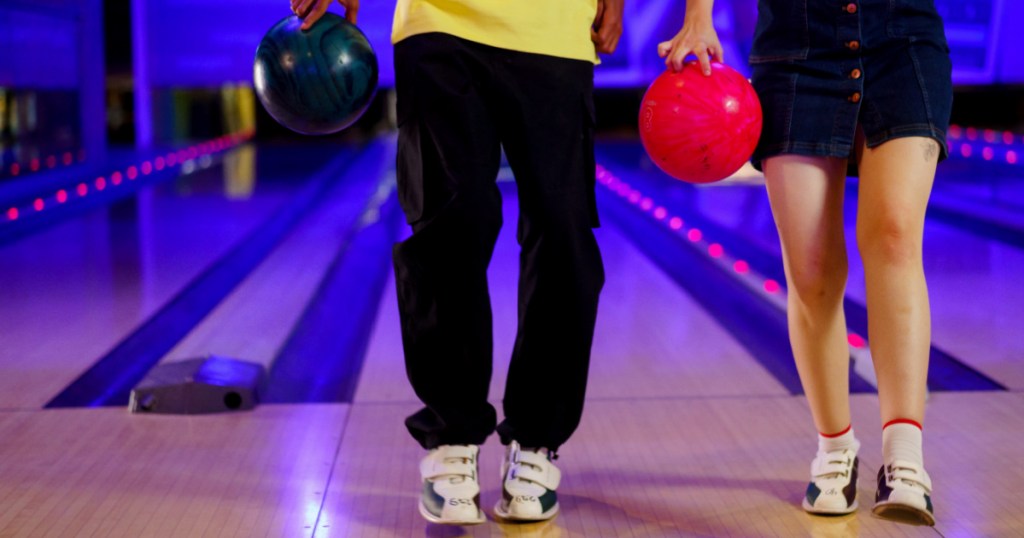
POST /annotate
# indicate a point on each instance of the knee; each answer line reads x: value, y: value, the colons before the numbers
x: 819, y: 282
x: 468, y: 211
x: 890, y: 241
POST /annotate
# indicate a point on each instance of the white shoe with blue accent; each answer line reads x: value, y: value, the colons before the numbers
x: 451, y: 490
x: 904, y: 493
x: 833, y: 486
x: 529, y: 481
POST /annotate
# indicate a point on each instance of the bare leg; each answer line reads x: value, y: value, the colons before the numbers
x: 895, y: 182
x: 806, y: 195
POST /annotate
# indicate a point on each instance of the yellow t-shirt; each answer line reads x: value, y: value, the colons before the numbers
x: 552, y: 27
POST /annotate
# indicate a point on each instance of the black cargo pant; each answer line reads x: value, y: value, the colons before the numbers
x: 459, y: 103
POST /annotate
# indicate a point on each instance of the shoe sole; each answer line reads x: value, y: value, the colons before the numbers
x: 552, y: 512
x: 903, y: 513
x: 434, y: 519
x: 829, y: 511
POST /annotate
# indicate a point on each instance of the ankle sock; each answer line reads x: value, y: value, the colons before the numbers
x: 843, y: 440
x: 901, y: 440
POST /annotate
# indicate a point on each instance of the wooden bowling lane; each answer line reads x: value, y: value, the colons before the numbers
x: 106, y: 473
x: 665, y: 467
x: 255, y: 320
x: 71, y: 292
x: 697, y: 467
x: 652, y: 339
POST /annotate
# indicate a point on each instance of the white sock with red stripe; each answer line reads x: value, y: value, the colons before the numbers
x: 901, y: 440
x: 843, y: 440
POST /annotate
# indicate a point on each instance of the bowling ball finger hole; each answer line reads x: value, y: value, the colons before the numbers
x: 233, y: 400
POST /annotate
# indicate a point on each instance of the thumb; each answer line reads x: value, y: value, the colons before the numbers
x: 664, y: 48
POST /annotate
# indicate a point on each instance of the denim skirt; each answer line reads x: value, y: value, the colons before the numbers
x: 823, y: 68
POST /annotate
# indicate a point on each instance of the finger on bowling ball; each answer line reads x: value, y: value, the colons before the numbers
x: 301, y: 7
x: 309, y: 20
x: 351, y: 9
x: 676, y: 57
x: 315, y: 13
x: 312, y: 11
x: 705, y: 63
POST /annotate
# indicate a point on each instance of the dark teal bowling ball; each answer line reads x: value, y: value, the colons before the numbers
x: 317, y: 81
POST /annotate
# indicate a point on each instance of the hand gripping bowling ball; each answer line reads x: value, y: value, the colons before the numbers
x: 700, y: 128
x: 317, y: 81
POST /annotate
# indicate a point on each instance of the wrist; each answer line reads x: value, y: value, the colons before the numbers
x: 699, y: 11
x: 698, y: 18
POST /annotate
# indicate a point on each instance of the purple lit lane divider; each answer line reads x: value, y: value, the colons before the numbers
x: 988, y: 136
x: 985, y: 144
x: 746, y: 303
x: 35, y: 212
x: 50, y: 162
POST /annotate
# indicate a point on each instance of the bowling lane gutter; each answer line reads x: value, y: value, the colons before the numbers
x: 110, y: 380
x: 323, y: 357
x: 946, y: 372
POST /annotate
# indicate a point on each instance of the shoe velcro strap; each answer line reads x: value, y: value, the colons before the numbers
x: 910, y: 472
x: 835, y: 462
x: 539, y: 470
x: 465, y: 452
x: 431, y: 468
x: 533, y: 458
x: 830, y: 467
x: 451, y: 460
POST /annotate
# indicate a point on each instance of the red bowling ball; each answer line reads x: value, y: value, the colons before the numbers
x: 699, y: 128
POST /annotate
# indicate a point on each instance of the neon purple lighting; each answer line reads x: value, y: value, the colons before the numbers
x: 140, y: 68
x: 100, y: 183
